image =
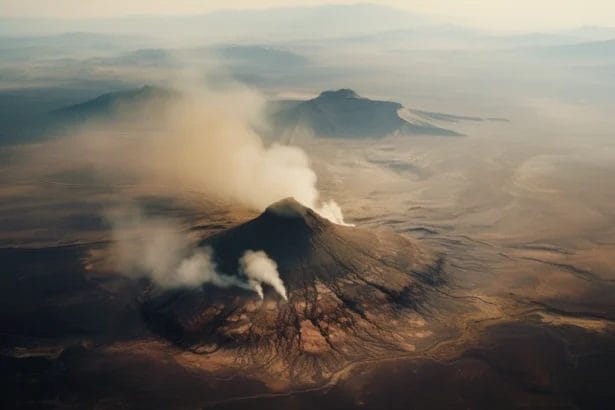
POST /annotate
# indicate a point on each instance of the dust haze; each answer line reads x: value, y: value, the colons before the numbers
x: 123, y: 150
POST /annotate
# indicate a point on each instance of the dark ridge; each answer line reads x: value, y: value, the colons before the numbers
x: 107, y: 104
x: 345, y: 114
x: 290, y: 208
x: 309, y: 248
x: 287, y: 231
x: 341, y: 93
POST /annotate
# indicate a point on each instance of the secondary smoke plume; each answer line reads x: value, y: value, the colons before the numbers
x: 258, y: 267
x: 199, y: 268
x: 156, y: 248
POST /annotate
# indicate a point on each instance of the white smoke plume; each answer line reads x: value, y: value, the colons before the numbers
x: 332, y: 211
x: 260, y: 268
x: 199, y: 268
x: 257, y: 287
x: 155, y: 248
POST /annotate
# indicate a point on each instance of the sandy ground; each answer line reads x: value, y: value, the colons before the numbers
x: 527, y: 226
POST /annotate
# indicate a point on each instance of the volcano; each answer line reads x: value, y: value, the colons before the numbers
x: 345, y: 114
x: 353, y: 294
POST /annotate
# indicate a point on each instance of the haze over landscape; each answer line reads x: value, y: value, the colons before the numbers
x: 307, y: 204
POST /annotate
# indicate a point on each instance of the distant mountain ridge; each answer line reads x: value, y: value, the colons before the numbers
x: 254, y: 55
x: 338, y: 113
x: 107, y: 105
x: 603, y: 51
x: 46, y: 120
x: 267, y: 22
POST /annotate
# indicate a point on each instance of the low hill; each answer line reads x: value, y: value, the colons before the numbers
x: 345, y: 114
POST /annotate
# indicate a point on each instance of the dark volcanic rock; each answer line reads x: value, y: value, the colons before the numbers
x: 352, y: 294
x: 345, y: 114
x: 309, y: 248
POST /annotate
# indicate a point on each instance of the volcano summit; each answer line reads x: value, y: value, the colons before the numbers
x: 353, y: 294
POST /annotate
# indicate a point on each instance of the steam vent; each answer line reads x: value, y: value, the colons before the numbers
x: 353, y: 294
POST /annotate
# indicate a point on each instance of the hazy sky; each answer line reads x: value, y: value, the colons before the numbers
x: 490, y: 14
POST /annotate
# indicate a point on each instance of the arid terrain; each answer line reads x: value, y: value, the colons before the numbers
x: 307, y: 205
x: 520, y: 309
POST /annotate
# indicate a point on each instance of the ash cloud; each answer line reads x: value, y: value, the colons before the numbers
x: 202, y: 139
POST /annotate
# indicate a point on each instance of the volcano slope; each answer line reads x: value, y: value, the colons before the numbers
x: 352, y: 295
